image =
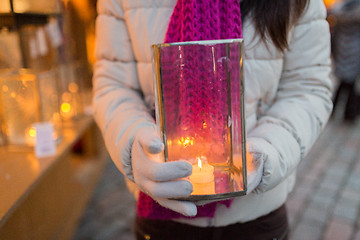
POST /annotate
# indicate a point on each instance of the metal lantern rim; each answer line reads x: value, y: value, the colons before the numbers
x: 215, y: 197
x: 200, y: 42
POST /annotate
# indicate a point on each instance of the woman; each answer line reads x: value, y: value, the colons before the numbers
x: 288, y: 102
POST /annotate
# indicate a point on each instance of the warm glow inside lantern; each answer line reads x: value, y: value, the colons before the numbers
x: 200, y: 113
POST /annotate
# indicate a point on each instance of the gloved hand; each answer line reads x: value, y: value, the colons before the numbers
x: 160, y: 180
x: 254, y: 164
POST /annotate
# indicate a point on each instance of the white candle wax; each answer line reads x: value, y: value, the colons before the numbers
x: 202, y: 178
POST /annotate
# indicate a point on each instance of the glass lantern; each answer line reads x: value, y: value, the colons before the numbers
x: 199, y: 105
x: 27, y: 98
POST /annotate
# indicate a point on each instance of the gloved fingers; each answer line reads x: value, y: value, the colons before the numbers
x: 254, y: 155
x: 163, y: 172
x: 254, y: 174
x: 147, y: 160
x: 150, y: 141
x: 254, y: 163
x: 173, y: 189
x: 256, y: 159
x: 157, y: 171
x: 186, y: 208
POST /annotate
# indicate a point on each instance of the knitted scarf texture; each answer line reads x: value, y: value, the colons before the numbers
x: 195, y: 20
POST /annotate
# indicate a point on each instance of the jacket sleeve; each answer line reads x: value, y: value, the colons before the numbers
x: 119, y: 109
x: 289, y: 128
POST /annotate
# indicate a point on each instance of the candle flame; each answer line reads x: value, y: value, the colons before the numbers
x: 32, y: 132
x: 199, y: 163
x: 65, y: 107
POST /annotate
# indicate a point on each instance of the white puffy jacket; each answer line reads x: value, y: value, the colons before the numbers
x: 288, y: 94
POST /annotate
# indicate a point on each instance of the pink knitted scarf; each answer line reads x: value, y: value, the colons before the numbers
x: 194, y: 20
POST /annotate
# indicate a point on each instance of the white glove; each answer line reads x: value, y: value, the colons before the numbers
x: 254, y: 165
x: 160, y: 180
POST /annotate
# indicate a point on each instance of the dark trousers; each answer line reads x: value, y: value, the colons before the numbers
x: 273, y: 226
x: 352, y: 107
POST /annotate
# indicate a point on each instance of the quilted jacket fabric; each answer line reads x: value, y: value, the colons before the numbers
x: 287, y: 94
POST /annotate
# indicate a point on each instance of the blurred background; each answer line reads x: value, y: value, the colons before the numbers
x: 75, y: 192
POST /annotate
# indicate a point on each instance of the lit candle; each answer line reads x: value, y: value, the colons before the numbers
x: 30, y: 135
x: 202, y: 178
x: 66, y: 110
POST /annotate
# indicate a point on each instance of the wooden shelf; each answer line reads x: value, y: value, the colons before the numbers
x: 44, y: 198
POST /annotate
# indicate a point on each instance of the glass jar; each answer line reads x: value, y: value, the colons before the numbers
x: 28, y: 97
x: 200, y: 114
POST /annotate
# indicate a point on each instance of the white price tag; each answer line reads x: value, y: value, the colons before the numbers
x: 45, y: 145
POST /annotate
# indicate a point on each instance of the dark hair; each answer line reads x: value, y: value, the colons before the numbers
x: 273, y: 18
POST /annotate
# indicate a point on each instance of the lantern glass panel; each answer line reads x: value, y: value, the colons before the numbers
x: 20, y: 103
x: 199, y: 111
x: 28, y: 97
